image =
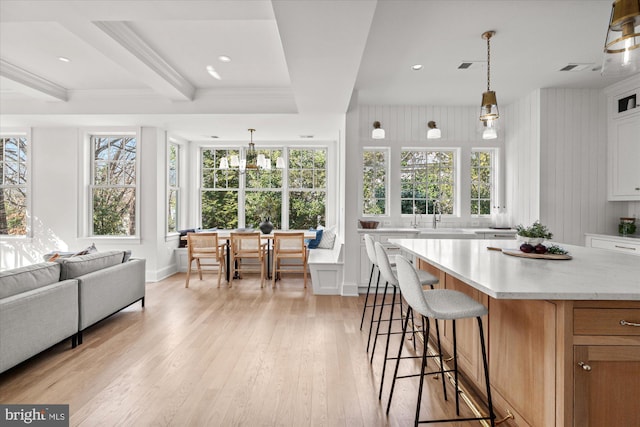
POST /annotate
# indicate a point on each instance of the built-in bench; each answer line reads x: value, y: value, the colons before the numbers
x: 326, y: 267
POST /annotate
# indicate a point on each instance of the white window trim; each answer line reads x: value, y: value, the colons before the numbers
x: 457, y: 166
x: 84, y: 192
x: 387, y: 160
x: 180, y: 187
x: 494, y: 178
x: 26, y: 133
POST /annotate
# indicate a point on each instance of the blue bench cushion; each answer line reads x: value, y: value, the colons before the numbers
x: 313, y: 243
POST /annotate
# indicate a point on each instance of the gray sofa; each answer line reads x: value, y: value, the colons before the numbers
x: 45, y: 303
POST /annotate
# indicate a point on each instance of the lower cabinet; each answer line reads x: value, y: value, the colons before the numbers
x: 607, y: 385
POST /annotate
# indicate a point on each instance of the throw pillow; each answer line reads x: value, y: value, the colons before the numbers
x: 328, y: 238
x: 313, y: 243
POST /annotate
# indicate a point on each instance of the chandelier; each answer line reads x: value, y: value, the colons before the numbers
x: 252, y: 160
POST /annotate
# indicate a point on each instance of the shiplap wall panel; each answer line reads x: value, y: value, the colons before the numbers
x: 573, y: 153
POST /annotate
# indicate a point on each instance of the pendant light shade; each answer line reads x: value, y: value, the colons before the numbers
x: 433, y: 132
x: 377, y: 132
x: 489, y: 107
x: 622, y: 45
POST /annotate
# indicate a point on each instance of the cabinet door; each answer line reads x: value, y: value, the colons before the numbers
x: 625, y: 158
x: 607, y: 386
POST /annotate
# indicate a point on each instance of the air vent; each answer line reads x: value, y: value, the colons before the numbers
x: 471, y: 65
x: 577, y: 67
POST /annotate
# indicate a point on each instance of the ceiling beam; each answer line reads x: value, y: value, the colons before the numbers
x: 32, y: 84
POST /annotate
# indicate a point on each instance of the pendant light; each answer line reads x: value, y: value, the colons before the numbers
x: 622, y: 45
x: 489, y: 108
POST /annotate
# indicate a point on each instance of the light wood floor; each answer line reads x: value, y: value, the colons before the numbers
x: 243, y: 356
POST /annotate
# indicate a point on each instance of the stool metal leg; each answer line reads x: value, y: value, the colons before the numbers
x: 455, y: 367
x: 366, y: 299
x: 422, y: 369
x: 395, y: 371
x: 375, y: 340
x: 492, y: 416
x: 386, y: 349
x: 373, y: 310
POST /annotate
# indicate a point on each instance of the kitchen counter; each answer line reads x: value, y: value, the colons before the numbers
x: 427, y: 231
x: 592, y: 274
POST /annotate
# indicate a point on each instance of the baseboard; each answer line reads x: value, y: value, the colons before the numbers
x: 163, y: 273
x: 349, y: 289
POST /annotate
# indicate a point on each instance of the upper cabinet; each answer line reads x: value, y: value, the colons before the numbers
x: 624, y: 140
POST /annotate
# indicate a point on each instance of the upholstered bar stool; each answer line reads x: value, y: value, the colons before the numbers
x: 371, y: 254
x: 439, y: 304
x: 389, y: 275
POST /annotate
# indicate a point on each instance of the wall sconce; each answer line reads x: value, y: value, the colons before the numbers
x: 622, y: 45
x: 377, y: 132
x: 433, y: 132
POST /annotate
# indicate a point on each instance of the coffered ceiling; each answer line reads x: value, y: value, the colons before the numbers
x: 294, y: 63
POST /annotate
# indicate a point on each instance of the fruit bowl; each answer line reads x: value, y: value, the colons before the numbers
x: 370, y: 225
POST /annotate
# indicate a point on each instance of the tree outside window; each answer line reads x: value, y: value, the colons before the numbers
x: 481, y: 182
x: 13, y: 185
x: 113, y: 189
x: 307, y: 187
x: 263, y: 195
x: 374, y: 181
x: 426, y: 177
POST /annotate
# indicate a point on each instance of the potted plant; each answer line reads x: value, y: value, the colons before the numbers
x: 534, y: 234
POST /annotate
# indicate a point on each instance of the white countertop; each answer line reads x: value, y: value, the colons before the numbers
x: 427, y: 230
x: 592, y: 274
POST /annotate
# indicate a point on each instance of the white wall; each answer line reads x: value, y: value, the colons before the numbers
x: 556, y: 144
x: 56, y: 182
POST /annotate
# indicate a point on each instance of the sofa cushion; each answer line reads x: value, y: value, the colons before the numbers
x: 27, y: 278
x: 80, y: 265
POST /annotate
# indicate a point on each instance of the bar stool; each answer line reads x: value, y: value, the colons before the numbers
x: 371, y: 253
x: 440, y: 304
x: 385, y: 267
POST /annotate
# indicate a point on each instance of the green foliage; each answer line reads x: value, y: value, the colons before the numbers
x: 536, y: 230
x: 427, y: 176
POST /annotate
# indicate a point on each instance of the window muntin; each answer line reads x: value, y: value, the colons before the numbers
x: 427, y: 176
x: 307, y: 185
x: 482, y: 162
x: 173, y: 187
x: 219, y: 189
x: 113, y: 185
x: 263, y: 195
x: 374, y: 181
x: 13, y: 185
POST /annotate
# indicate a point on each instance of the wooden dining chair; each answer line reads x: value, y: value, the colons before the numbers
x: 247, y: 246
x: 205, y: 246
x: 289, y: 246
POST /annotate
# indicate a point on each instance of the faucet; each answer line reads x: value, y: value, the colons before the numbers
x: 437, y: 210
x: 414, y: 224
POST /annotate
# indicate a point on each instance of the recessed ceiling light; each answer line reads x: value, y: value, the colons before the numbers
x: 306, y: 136
x: 224, y: 58
x: 63, y: 59
x: 416, y: 67
x: 213, y: 72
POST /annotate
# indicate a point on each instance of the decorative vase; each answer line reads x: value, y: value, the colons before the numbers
x: 266, y: 226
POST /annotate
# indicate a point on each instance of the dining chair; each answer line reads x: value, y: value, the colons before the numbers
x: 247, y: 246
x: 205, y: 246
x: 289, y: 246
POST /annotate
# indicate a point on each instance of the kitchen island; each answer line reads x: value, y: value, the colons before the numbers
x: 563, y: 335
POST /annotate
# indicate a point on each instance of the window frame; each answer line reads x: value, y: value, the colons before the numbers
x: 87, y: 159
x: 177, y: 188
x: 26, y: 134
x: 386, y: 151
x: 289, y: 189
x: 457, y: 166
x: 493, y: 180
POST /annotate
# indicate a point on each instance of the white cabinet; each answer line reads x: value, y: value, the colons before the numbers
x: 624, y: 141
x: 626, y: 245
x: 624, y: 164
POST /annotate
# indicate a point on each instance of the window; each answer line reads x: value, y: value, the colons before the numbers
x: 263, y: 196
x: 481, y: 182
x: 374, y: 181
x: 173, y: 187
x: 13, y: 185
x: 307, y: 186
x: 426, y: 177
x: 113, y: 185
x: 219, y: 190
